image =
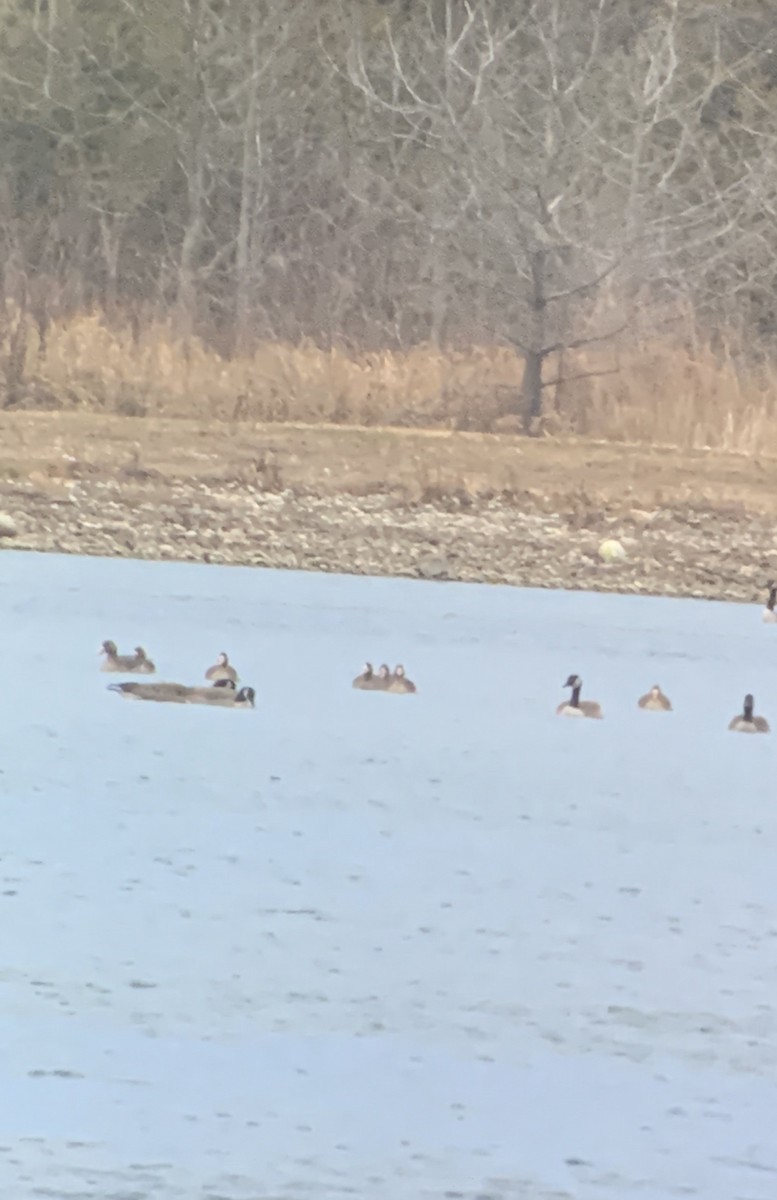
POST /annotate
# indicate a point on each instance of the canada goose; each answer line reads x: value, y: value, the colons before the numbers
x: 575, y: 707
x: 222, y: 669
x: 768, y: 613
x: 203, y: 695
x: 222, y: 694
x: 223, y: 697
x: 137, y: 664
x: 170, y: 693
x: 399, y: 682
x: 745, y: 722
x: 655, y: 700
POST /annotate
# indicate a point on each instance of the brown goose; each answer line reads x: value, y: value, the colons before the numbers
x: 384, y: 677
x: 399, y: 681
x: 222, y: 669
x: 745, y: 722
x: 655, y: 700
x: 575, y: 707
x: 769, y: 615
x: 367, y: 681
x: 135, y: 664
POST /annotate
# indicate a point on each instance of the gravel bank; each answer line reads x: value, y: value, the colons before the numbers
x: 673, y: 551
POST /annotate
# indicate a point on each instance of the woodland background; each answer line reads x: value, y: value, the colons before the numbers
x: 545, y: 215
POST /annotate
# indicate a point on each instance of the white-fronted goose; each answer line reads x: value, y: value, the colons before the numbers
x: 655, y: 700
x: 399, y: 682
x: 222, y: 669
x: 135, y: 664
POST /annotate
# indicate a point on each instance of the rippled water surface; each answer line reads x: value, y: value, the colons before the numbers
x: 383, y: 946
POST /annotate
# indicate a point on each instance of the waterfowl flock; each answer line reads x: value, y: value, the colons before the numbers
x: 134, y: 664
x: 223, y: 691
x: 385, y: 680
x: 223, y: 678
x: 654, y: 700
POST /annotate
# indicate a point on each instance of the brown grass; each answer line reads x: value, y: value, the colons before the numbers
x: 51, y: 453
x: 658, y: 393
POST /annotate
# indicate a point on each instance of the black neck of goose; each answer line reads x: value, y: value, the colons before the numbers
x: 748, y: 710
x: 575, y: 698
x: 772, y: 601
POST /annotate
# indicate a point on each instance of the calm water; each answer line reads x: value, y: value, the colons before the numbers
x: 383, y: 946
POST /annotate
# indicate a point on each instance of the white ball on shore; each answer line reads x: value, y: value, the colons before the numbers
x: 611, y: 550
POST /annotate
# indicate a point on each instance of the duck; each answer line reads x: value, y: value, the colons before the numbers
x: 170, y: 693
x: 575, y: 707
x: 222, y: 669
x: 745, y: 722
x: 138, y: 663
x: 399, y: 682
x: 655, y: 700
x: 769, y: 615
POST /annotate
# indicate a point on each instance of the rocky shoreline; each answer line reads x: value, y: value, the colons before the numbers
x: 675, y: 550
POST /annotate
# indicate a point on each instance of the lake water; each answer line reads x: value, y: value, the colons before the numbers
x: 383, y: 946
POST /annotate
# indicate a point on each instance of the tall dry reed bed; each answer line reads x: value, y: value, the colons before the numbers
x: 659, y: 392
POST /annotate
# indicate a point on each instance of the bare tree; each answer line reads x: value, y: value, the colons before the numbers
x: 562, y: 154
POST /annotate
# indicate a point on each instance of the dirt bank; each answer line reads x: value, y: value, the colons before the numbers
x: 392, y: 502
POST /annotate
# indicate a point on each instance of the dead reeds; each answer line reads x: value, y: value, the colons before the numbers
x: 660, y: 392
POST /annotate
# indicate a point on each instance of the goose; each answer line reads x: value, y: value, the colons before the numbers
x: 399, y: 682
x: 202, y: 695
x: 575, y: 707
x: 655, y: 700
x: 368, y: 680
x: 745, y: 722
x: 137, y: 664
x: 769, y: 614
x: 223, y: 693
x: 222, y: 669
x: 223, y: 696
x: 170, y: 693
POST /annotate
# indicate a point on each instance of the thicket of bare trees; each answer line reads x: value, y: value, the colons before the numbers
x: 541, y: 173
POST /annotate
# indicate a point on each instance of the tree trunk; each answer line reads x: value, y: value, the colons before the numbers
x: 531, y: 390
x: 536, y: 352
x: 249, y: 188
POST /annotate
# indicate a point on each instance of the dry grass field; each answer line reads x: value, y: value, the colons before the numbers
x: 379, y: 464
x: 680, y: 393
x: 50, y: 450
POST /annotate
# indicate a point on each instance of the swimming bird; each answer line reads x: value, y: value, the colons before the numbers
x: 138, y: 663
x: 399, y: 682
x: 222, y: 669
x: 768, y: 613
x: 368, y: 680
x: 222, y: 695
x: 170, y: 693
x: 745, y: 722
x: 655, y: 700
x: 575, y: 707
